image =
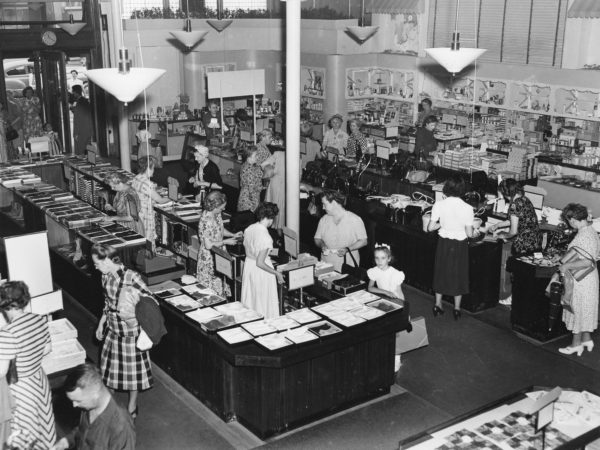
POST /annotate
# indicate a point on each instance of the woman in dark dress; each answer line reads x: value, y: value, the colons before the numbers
x: 425, y: 142
x: 524, y: 227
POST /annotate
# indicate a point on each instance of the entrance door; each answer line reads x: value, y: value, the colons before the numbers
x: 52, y: 89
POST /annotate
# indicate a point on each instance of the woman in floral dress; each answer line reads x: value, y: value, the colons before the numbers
x: 126, y: 203
x: 32, y: 122
x: 584, y: 318
x: 250, y: 182
x: 211, y: 233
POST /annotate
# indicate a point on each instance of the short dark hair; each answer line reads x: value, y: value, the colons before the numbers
x: 266, y: 210
x: 429, y: 119
x: 335, y: 196
x: 14, y: 295
x: 574, y: 211
x: 249, y: 151
x: 510, y: 187
x: 195, y: 139
x: 214, y: 199
x: 145, y: 163
x: 428, y: 101
x: 142, y: 125
x: 77, y: 88
x: 82, y: 376
x: 454, y: 187
x: 28, y: 88
x: 74, y: 71
x: 102, y: 251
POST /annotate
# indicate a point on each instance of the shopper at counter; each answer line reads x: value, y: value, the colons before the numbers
x: 259, y: 280
x: 425, y: 141
x: 103, y: 423
x: 126, y: 203
x: 584, y: 318
x: 357, y: 142
x: 335, y: 139
x: 276, y: 188
x: 425, y: 110
x: 454, y: 220
x: 211, y: 233
x: 263, y: 158
x: 339, y: 232
x: 211, y: 121
x: 123, y: 366
x: 26, y: 340
x: 146, y: 191
x: 524, y: 227
x: 250, y: 182
x: 208, y: 175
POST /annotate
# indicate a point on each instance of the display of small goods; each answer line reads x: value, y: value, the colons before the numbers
x: 259, y: 328
x: 384, y: 305
x: 110, y: 233
x: 203, y: 315
x: 363, y: 296
x: 274, y: 341
x: 490, y: 92
x: 300, y: 335
x: 172, y: 292
x: 303, y: 316
x: 283, y: 323
x: 235, y: 335
x: 369, y: 82
x: 183, y: 302
x: 312, y: 81
x: 345, y: 303
x: 367, y: 313
x: 346, y: 318
x: 577, y: 102
x: 324, y: 328
x: 530, y: 97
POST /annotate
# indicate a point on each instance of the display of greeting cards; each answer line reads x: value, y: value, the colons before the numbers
x: 326, y: 309
x: 198, y: 288
x: 300, y: 335
x: 384, y: 305
x: 204, y: 314
x: 363, y: 296
x: 167, y: 293
x: 183, y: 302
x: 367, y: 313
x: 303, y: 316
x: 207, y: 300
x: 259, y: 328
x: 323, y: 328
x: 283, y: 323
x: 345, y: 303
x: 274, y: 341
x: 235, y: 335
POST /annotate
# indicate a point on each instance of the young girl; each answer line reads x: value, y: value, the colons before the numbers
x: 53, y: 139
x: 388, y: 279
x: 250, y: 182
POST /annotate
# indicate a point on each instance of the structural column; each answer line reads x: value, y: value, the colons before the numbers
x: 292, y: 115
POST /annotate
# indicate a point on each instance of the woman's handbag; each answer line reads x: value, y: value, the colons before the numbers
x: 11, y: 376
x: 355, y: 271
x: 561, y: 287
x: 578, y: 254
x: 11, y: 133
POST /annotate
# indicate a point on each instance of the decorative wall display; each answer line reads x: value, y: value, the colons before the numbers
x: 400, y: 32
x: 490, y: 92
x: 577, y: 102
x: 530, y: 97
x: 380, y: 81
x: 312, y: 81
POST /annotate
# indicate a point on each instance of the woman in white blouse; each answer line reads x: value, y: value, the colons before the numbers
x: 335, y: 139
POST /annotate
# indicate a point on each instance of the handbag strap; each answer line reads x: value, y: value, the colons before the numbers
x: 351, y: 256
x: 585, y: 254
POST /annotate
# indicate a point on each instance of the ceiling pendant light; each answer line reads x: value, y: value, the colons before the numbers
x: 71, y: 26
x: 219, y: 23
x: 186, y: 36
x: 361, y: 33
x: 454, y: 58
x: 126, y: 82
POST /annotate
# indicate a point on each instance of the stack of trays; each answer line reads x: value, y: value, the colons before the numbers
x: 113, y: 234
x: 66, y: 351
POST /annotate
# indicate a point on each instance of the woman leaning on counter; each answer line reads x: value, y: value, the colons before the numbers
x: 339, y: 232
x: 584, y: 318
x: 259, y: 280
x: 335, y: 139
x: 454, y: 220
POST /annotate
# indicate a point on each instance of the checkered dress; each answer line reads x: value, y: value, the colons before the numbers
x: 123, y: 366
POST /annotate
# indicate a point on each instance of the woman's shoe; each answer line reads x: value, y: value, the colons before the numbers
x: 134, y: 413
x: 456, y: 313
x: 437, y: 310
x: 589, y: 345
x: 570, y: 350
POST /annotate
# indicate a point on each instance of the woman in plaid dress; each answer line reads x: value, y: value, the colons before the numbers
x: 146, y: 191
x: 123, y: 366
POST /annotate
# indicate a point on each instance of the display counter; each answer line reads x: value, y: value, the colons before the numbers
x: 505, y: 424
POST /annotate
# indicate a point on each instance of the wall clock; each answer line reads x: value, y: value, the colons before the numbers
x: 49, y: 38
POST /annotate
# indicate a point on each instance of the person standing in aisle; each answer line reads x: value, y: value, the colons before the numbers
x: 259, y: 280
x: 126, y: 203
x: 26, y: 340
x: 146, y: 191
x: 339, y: 232
x: 454, y: 220
x: 31, y: 107
x: 212, y: 233
x: 83, y: 128
x: 208, y: 175
x: 335, y: 139
x: 250, y: 182
x: 276, y: 188
x: 425, y: 110
x: 103, y: 424
x: 211, y: 121
x: 425, y: 141
x: 584, y: 318
x: 124, y: 367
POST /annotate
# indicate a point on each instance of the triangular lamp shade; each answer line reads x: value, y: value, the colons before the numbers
x: 361, y: 34
x: 219, y: 25
x: 189, y: 38
x: 72, y: 28
x: 455, y: 60
x: 125, y: 86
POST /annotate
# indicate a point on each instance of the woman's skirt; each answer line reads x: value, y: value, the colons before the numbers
x: 451, y: 272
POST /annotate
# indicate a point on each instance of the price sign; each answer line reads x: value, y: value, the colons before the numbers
x: 223, y: 262
x: 301, y: 277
